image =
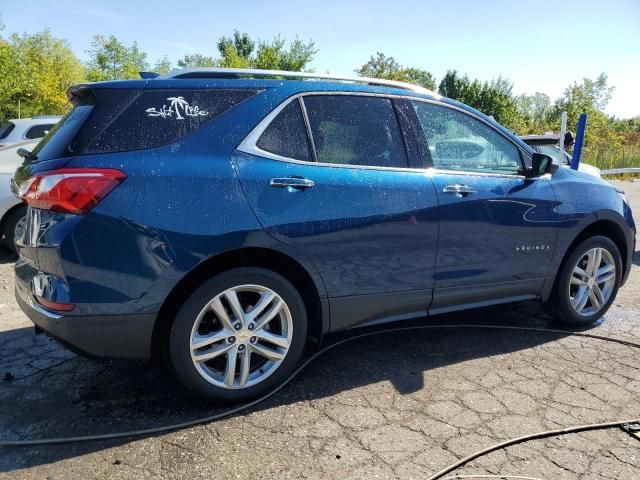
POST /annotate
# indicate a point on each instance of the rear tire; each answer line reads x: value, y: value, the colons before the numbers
x: 587, y: 283
x: 14, y: 226
x: 239, y: 335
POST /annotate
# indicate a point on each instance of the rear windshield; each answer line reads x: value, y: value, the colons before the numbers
x: 136, y: 121
x: 119, y: 120
x: 6, y: 130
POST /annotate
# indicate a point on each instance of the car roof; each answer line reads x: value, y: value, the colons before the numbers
x: 36, y: 120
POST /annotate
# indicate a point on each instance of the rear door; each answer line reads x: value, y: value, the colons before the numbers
x: 497, y: 233
x: 330, y: 175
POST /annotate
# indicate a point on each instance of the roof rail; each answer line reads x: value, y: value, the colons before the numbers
x: 256, y: 73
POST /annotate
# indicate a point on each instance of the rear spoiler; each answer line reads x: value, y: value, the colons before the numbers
x: 148, y: 75
x: 80, y: 95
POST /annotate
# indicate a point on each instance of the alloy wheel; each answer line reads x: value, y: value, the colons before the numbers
x: 241, y: 336
x: 592, y: 281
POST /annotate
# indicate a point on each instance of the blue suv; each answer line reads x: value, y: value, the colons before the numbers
x: 224, y: 219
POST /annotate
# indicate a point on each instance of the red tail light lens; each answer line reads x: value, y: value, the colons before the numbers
x: 70, y: 190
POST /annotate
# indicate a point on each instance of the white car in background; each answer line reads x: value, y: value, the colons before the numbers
x: 12, y: 210
x: 23, y: 129
x: 548, y: 144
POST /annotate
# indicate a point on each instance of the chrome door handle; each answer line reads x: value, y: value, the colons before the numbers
x: 294, y: 182
x: 458, y: 189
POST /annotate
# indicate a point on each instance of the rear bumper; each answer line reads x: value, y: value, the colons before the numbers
x: 122, y: 336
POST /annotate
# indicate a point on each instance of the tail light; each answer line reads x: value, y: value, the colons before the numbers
x: 69, y: 190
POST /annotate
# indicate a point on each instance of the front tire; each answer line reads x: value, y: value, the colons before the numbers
x: 588, y: 282
x: 239, y: 335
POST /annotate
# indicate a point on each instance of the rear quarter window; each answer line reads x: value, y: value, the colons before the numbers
x: 129, y: 120
x: 286, y: 135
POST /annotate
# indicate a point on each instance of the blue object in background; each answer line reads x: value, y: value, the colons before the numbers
x: 577, y: 149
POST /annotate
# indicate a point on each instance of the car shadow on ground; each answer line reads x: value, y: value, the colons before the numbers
x: 49, y: 392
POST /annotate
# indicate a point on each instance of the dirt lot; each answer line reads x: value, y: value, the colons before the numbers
x: 394, y: 405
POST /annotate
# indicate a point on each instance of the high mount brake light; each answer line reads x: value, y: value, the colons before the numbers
x: 70, y: 190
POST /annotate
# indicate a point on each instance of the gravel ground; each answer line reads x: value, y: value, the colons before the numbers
x: 399, y: 405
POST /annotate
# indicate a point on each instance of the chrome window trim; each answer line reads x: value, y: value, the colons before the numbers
x: 249, y: 144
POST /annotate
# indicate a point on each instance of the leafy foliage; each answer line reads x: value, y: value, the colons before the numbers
x: 109, y: 59
x: 163, y: 66
x: 196, y: 60
x: 492, y: 98
x: 381, y: 66
x: 241, y: 52
x: 35, y: 72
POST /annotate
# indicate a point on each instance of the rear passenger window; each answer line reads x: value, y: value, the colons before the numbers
x: 355, y: 130
x: 132, y: 120
x: 38, y: 131
x: 286, y: 135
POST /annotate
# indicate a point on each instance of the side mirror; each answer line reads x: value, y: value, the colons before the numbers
x: 24, y: 153
x: 540, y: 164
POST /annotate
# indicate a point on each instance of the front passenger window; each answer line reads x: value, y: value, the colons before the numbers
x: 458, y: 141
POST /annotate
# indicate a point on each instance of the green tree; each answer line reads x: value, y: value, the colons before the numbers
x: 240, y: 46
x: 590, y: 97
x: 494, y: 98
x: 534, y: 110
x: 163, y: 66
x: 196, y: 60
x: 381, y: 66
x: 35, y: 72
x: 109, y: 59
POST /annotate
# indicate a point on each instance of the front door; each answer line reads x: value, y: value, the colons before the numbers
x: 497, y: 229
x: 344, y: 196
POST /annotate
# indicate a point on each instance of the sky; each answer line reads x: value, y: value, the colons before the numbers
x: 540, y: 46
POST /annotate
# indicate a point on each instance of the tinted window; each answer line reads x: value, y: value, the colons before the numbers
x: 38, y: 131
x: 458, y: 141
x: 126, y: 120
x: 55, y: 143
x: 286, y: 135
x: 355, y: 130
x: 6, y: 130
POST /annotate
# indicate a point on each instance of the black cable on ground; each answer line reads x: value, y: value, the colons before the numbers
x: 238, y: 409
x: 525, y: 438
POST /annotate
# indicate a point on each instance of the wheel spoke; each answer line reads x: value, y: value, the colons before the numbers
x: 221, y: 313
x: 230, y: 370
x: 606, y: 273
x: 593, y: 260
x: 212, y: 353
x: 598, y: 294
x: 579, y: 272
x: 265, y: 299
x: 576, y: 280
x: 267, y: 352
x: 276, y: 306
x: 200, y: 341
x: 274, y: 339
x: 580, y: 300
x: 605, y: 277
x: 232, y: 297
x: 245, y: 366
